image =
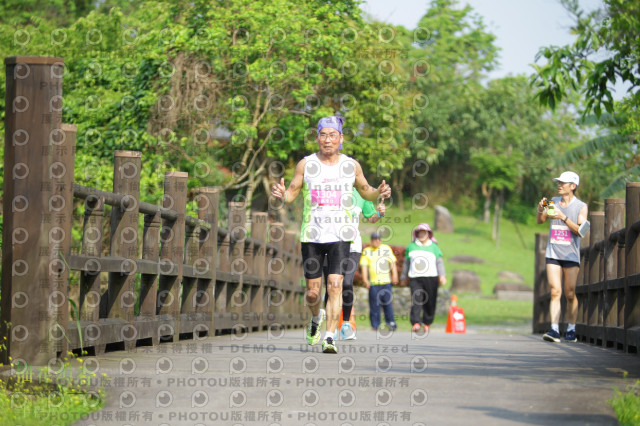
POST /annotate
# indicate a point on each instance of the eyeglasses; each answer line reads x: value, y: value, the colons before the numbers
x: 329, y: 136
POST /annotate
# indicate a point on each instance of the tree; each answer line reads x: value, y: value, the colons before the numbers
x: 228, y: 90
x: 497, y: 171
x: 264, y: 78
x: 448, y: 54
x: 606, y: 51
x: 611, y: 33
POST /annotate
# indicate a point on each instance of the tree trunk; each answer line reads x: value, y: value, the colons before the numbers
x: 500, y: 203
x: 486, y: 191
x: 397, y: 185
x: 253, y: 182
x: 496, y: 209
x: 266, y: 186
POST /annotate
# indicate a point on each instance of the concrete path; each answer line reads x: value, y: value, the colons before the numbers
x: 274, y: 378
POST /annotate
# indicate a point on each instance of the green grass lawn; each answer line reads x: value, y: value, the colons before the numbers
x: 515, y: 252
x: 34, y: 397
x: 627, y: 404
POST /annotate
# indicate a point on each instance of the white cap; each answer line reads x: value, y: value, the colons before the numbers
x: 568, y: 177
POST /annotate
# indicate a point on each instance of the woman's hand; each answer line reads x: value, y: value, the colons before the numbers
x: 541, y: 204
x: 559, y: 215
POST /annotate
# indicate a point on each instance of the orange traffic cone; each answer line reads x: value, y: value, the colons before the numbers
x: 456, y: 321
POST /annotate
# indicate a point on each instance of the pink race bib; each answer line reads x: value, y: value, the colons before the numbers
x: 321, y: 197
x: 560, y: 234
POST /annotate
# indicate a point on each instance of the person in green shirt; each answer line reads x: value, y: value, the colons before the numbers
x: 424, y: 267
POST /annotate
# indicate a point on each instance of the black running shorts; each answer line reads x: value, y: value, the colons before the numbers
x: 562, y: 263
x: 313, y: 257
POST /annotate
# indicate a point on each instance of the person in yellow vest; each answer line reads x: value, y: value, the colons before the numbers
x: 379, y: 271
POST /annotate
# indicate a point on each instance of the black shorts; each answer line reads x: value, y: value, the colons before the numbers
x: 562, y: 263
x: 313, y: 257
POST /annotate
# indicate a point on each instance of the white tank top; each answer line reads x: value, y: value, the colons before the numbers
x: 327, y: 215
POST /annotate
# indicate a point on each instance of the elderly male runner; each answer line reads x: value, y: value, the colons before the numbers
x: 326, y: 179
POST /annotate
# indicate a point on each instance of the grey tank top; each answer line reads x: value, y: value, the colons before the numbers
x: 564, y: 244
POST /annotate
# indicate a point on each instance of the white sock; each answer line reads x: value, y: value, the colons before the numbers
x: 555, y: 328
x: 329, y: 334
x: 571, y: 327
x: 316, y: 318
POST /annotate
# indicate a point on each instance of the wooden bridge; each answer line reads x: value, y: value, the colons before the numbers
x: 195, y: 279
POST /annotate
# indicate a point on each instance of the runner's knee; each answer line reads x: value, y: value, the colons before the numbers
x: 313, y: 295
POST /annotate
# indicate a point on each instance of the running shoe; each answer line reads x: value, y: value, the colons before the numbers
x: 426, y: 328
x: 570, y: 336
x: 393, y: 326
x: 347, y: 332
x: 329, y: 346
x: 313, y: 330
x: 416, y: 327
x: 551, y: 336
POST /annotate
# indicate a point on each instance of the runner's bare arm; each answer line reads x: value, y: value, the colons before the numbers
x: 368, y: 192
x: 541, y: 217
x: 582, y: 218
x: 288, y: 195
x: 574, y: 227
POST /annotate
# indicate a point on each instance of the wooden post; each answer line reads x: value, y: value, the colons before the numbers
x: 594, y: 299
x: 259, y: 232
x: 124, y: 240
x: 223, y: 287
x: 172, y: 251
x: 238, y: 232
x: 189, y: 285
x: 60, y: 175
x: 208, y: 211
x: 621, y: 274
x: 632, y: 267
x: 276, y: 268
x: 597, y: 234
x: 121, y: 296
x: 582, y: 287
x: 33, y: 111
x: 89, y: 303
x: 150, y: 251
x: 613, y: 221
x: 541, y: 316
x: 289, y: 246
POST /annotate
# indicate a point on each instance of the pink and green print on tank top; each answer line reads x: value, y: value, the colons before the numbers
x: 327, y: 215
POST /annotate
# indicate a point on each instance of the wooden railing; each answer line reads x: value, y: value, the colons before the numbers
x: 195, y: 278
x: 608, y: 286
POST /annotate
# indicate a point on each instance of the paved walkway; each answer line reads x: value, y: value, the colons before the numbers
x: 274, y: 378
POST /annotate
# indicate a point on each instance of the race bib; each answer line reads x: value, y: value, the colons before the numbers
x: 560, y: 234
x: 321, y: 197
